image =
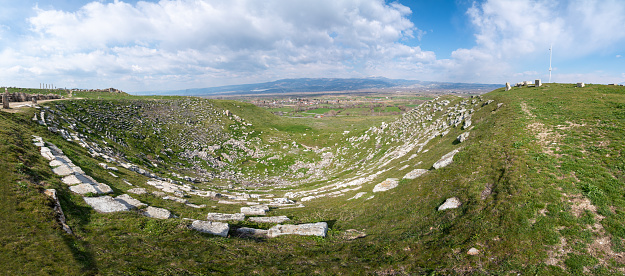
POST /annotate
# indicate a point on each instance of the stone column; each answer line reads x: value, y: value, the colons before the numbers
x: 5, y: 99
x: 508, y: 87
x: 538, y: 83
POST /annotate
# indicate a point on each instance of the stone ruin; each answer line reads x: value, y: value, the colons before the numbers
x: 580, y: 84
x: 24, y: 97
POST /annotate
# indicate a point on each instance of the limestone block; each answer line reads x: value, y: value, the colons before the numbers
x: 508, y: 87
x: 386, y: 185
x: 138, y: 191
x: 276, y: 219
x: 71, y: 180
x: 462, y: 137
x: 211, y: 227
x: 310, y: 229
x: 158, y: 213
x: 580, y: 84
x: 83, y: 189
x: 176, y: 199
x: 105, y: 204
x: 445, y: 160
x: 415, y: 173
x: 538, y: 83
x: 246, y: 231
x: 450, y: 203
x: 130, y: 202
x: 225, y: 217
x: 253, y: 210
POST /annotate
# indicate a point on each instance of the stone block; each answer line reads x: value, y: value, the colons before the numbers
x: 319, y: 229
x: 386, y: 185
x: 225, y: 217
x: 538, y: 83
x: 445, y: 160
x: 130, y: 202
x: 580, y: 84
x: 415, y: 173
x: 276, y: 219
x: 211, y: 227
x: 450, y: 203
x: 159, y: 213
x: 105, y: 204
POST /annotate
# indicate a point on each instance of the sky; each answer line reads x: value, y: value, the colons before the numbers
x: 179, y: 44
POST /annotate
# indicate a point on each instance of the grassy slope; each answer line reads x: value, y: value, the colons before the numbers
x: 536, y: 220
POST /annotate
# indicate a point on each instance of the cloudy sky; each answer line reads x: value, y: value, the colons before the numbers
x: 178, y: 44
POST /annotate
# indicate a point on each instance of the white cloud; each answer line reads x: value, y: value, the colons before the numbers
x: 214, y: 42
x: 515, y: 35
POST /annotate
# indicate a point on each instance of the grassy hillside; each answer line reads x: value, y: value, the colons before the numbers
x: 540, y: 178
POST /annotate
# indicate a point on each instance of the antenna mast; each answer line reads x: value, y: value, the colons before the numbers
x: 550, y: 63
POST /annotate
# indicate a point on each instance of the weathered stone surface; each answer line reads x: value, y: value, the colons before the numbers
x: 258, y: 210
x: 83, y: 189
x: 580, y: 84
x: 462, y: 137
x: 450, y: 203
x: 352, y: 234
x: 211, y: 227
x: 83, y: 178
x: 310, y: 229
x: 105, y: 204
x: 358, y: 195
x: 415, y: 173
x: 473, y: 251
x: 508, y: 87
x: 130, y: 202
x: 276, y: 219
x: 538, y: 83
x: 246, y: 231
x: 282, y: 200
x: 71, y: 180
x: 138, y: 191
x: 225, y: 217
x: 56, y: 163
x: 60, y: 216
x: 445, y: 160
x: 63, y: 170
x: 158, y: 213
x: 386, y: 185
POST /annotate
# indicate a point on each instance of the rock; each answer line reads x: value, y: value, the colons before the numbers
x: 445, y: 160
x: 319, y: 229
x: 158, y: 213
x: 282, y: 200
x: 352, y: 234
x: 358, y: 195
x: 386, y: 185
x: 258, y: 210
x: 246, y: 231
x: 211, y: 227
x: 63, y: 170
x: 415, y: 173
x: 60, y: 216
x: 138, y: 191
x: 225, y: 217
x: 56, y: 163
x: 473, y: 251
x: 130, y: 202
x: 508, y: 87
x: 580, y: 84
x: 538, y: 83
x: 462, y: 137
x: 450, y: 203
x: 105, y: 204
x: 71, y: 180
x: 276, y: 219
x: 85, y: 188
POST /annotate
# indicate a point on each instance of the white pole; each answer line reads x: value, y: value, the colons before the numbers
x: 550, y: 63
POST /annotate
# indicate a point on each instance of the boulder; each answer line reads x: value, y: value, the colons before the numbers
x: 462, y: 137
x: 445, y: 160
x: 473, y: 251
x: 450, y: 203
x: 105, y: 204
x: 415, y: 173
x: 158, y: 213
x: 386, y: 185
x: 319, y: 229
x: 225, y: 217
x: 211, y: 227
x: 276, y: 219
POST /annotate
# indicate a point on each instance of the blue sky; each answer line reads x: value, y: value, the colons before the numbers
x: 178, y: 44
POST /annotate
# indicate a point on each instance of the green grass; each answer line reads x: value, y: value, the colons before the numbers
x: 538, y: 167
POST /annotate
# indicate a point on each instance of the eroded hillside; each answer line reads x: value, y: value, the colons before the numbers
x: 528, y: 180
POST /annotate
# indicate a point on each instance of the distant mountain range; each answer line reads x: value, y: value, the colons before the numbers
x: 321, y: 85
